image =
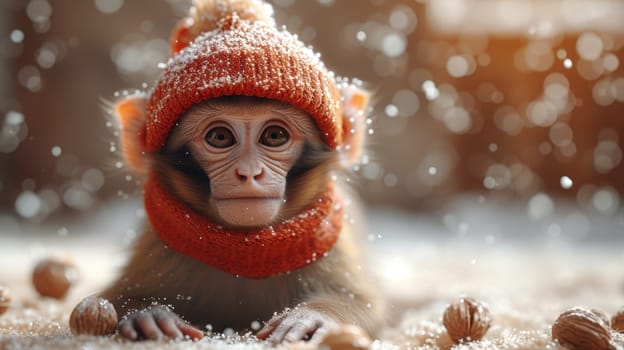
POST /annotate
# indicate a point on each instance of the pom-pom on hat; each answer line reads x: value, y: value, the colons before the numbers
x: 232, y: 47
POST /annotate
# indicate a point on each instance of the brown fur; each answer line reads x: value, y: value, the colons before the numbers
x: 155, y: 274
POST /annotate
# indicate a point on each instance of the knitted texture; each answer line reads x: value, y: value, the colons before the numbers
x: 260, y: 253
x: 250, y: 58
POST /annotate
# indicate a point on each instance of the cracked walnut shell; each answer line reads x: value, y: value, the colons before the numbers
x: 466, y: 319
x: 581, y: 329
x: 93, y: 315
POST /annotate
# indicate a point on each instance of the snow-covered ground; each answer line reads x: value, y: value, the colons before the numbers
x: 527, y: 268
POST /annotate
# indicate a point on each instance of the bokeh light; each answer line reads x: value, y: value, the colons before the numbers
x: 506, y: 98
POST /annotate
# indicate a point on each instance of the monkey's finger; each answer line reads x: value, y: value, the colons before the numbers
x: 148, y: 327
x: 265, y: 331
x: 168, y: 326
x: 278, y: 334
x: 126, y: 329
x: 269, y: 327
x: 302, y: 331
x: 189, y: 330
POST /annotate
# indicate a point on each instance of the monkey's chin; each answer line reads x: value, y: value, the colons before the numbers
x: 248, y: 212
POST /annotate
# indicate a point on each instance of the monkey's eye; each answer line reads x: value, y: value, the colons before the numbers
x: 220, y: 137
x: 274, y: 136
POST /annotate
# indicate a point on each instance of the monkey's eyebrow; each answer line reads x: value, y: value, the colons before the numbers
x: 184, y: 130
x: 302, y: 122
x: 195, y: 116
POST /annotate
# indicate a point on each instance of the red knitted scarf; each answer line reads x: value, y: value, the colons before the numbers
x: 259, y: 253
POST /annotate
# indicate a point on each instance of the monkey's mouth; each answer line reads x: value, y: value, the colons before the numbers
x: 248, y: 211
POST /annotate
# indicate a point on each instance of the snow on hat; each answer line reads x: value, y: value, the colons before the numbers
x: 234, y: 48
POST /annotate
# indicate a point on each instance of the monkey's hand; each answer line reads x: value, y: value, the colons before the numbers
x: 155, y: 323
x: 300, y: 323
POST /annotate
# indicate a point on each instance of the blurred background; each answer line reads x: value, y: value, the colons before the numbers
x: 476, y: 101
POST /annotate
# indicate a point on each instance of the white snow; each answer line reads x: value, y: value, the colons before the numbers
x: 527, y: 271
x: 108, y: 6
x: 56, y: 151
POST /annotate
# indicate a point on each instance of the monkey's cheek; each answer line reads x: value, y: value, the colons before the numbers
x: 248, y: 212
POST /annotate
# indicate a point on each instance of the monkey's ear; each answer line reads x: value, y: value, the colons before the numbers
x: 355, y: 108
x: 130, y: 112
x: 181, y: 35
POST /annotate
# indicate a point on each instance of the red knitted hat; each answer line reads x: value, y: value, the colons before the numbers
x: 239, y: 51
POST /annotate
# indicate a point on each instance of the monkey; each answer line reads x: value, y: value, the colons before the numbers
x: 328, y: 291
x: 248, y: 222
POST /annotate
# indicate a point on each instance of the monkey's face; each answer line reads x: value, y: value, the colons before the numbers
x: 230, y: 158
x: 246, y: 149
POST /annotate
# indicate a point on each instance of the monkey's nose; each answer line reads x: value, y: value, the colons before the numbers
x: 255, y: 174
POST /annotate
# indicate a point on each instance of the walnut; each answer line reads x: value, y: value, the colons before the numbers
x: 5, y: 299
x: 346, y: 337
x: 581, y: 329
x: 52, y: 277
x: 93, y: 315
x: 617, y: 321
x: 601, y: 315
x: 466, y: 319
